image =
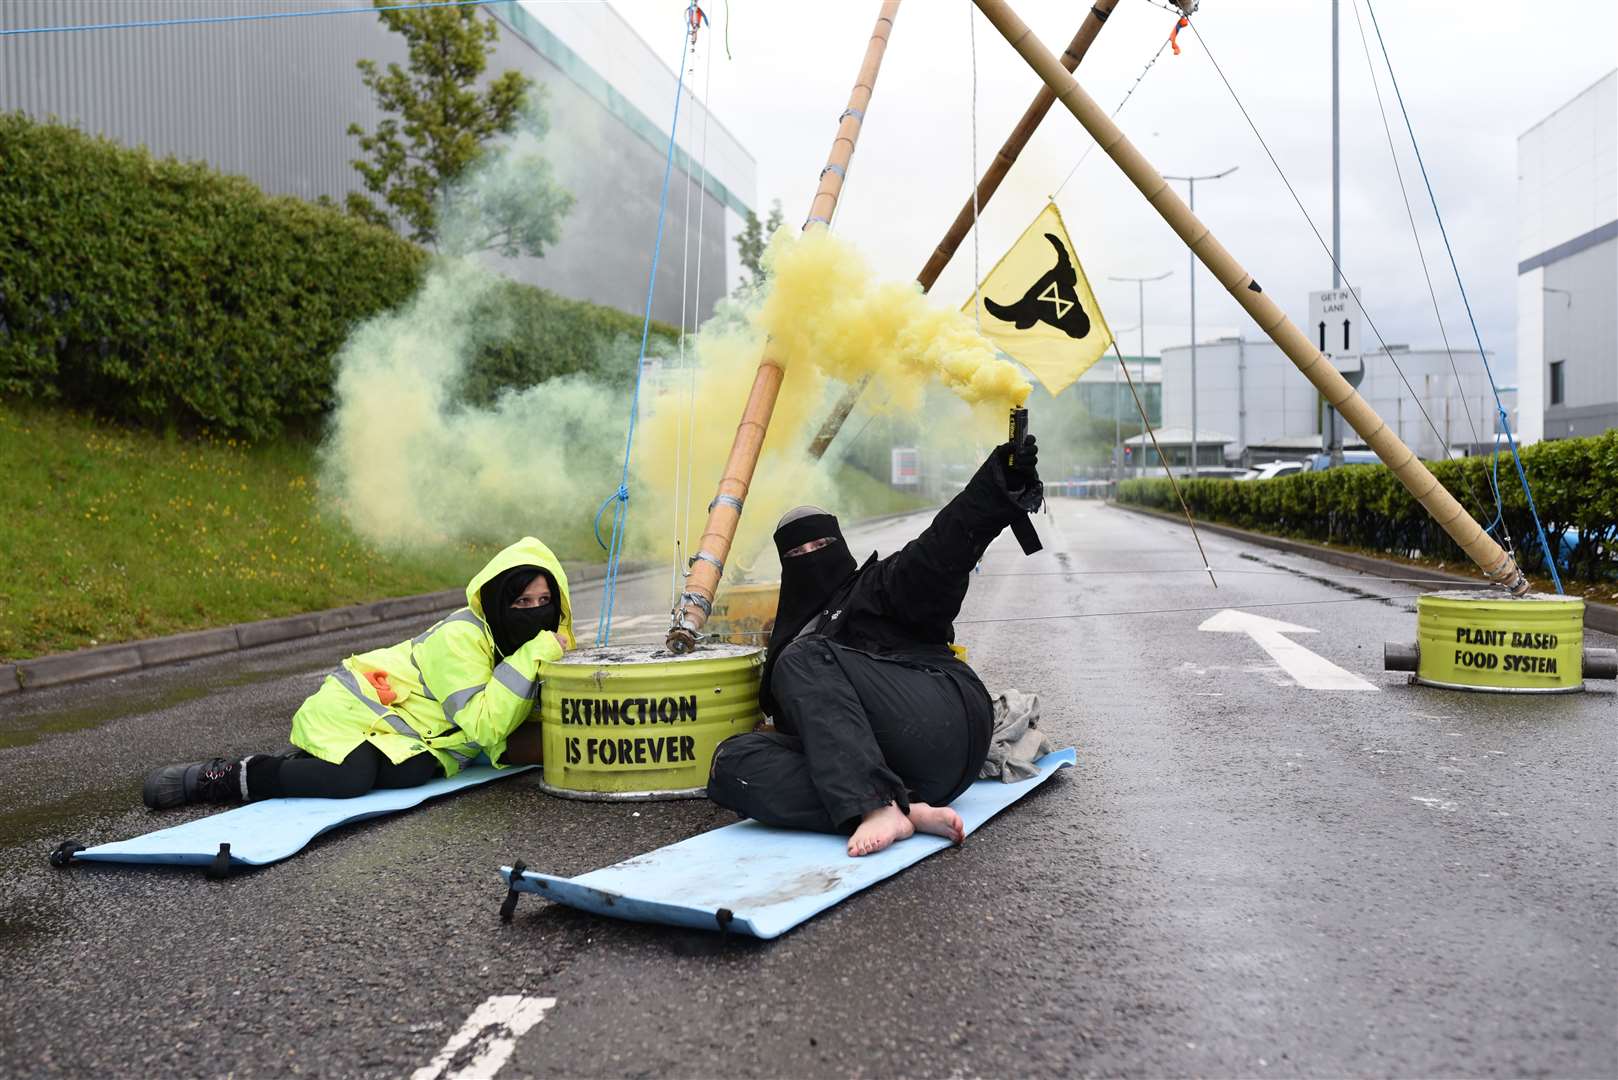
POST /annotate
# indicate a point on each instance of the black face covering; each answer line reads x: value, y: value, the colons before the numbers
x: 514, y: 627
x: 808, y: 580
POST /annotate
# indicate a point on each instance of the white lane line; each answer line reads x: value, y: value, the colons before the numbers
x: 494, y: 1026
x: 1306, y: 668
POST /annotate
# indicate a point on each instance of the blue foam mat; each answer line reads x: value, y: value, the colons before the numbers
x: 768, y: 880
x: 276, y: 829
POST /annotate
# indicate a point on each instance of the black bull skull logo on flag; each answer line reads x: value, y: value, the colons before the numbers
x: 1053, y: 299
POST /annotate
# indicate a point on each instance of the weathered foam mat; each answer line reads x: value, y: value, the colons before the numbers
x: 272, y: 830
x: 753, y: 879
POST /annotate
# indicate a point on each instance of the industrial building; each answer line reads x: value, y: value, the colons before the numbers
x: 1105, y: 392
x: 272, y: 100
x: 1250, y: 396
x: 1567, y: 269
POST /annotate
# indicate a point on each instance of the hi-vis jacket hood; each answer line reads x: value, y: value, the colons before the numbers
x: 446, y: 691
x: 525, y: 552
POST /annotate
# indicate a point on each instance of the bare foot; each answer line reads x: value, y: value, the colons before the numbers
x: 938, y: 820
x: 878, y: 829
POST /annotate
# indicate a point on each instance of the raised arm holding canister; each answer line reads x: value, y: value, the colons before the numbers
x: 879, y: 726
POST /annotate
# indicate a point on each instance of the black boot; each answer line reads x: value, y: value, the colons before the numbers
x: 216, y: 781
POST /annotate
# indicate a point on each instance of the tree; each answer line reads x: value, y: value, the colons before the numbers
x: 753, y: 239
x: 425, y: 158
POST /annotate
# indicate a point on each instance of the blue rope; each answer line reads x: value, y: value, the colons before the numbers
x: 1505, y: 423
x: 621, y: 494
x: 209, y: 20
x: 620, y: 514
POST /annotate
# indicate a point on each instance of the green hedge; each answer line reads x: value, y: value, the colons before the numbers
x: 1575, y: 484
x: 533, y: 335
x: 162, y: 292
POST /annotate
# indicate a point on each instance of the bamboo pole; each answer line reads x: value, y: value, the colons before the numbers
x: 996, y: 172
x: 1496, y: 564
x: 725, y: 512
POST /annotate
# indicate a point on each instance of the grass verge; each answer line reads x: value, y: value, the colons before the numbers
x: 113, y: 535
x: 864, y: 496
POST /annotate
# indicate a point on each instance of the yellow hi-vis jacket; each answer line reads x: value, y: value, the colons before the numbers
x: 444, y: 692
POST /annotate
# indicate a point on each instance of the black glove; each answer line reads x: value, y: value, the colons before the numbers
x: 1024, y: 469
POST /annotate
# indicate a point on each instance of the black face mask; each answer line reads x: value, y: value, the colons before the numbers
x: 513, y: 627
x: 808, y: 580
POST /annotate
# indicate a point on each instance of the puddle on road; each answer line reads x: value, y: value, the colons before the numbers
x: 1330, y: 583
x: 18, y: 926
x: 44, y: 820
x: 28, y: 729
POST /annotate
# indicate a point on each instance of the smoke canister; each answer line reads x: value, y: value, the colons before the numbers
x: 639, y: 722
x: 1480, y: 639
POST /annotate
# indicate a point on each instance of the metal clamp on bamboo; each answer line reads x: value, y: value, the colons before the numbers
x: 725, y: 512
x: 1497, y: 565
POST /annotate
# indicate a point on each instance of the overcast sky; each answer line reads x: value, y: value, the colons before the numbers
x: 1475, y: 76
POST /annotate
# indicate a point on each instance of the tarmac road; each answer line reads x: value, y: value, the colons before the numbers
x: 1243, y: 877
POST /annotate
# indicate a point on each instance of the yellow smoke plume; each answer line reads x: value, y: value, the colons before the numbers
x: 825, y: 307
x: 406, y: 463
x: 828, y: 322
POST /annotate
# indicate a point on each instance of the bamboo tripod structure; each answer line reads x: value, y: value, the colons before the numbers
x: 1497, y: 565
x: 725, y: 512
x: 964, y: 218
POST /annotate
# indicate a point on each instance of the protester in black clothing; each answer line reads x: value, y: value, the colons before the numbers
x: 879, y: 726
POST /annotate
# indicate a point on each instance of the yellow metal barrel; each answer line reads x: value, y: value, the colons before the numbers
x: 1483, y: 640
x: 639, y: 722
x: 744, y: 613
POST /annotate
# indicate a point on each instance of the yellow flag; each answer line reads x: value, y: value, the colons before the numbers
x: 1037, y: 305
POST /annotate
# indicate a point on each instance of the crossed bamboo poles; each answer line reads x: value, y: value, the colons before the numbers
x: 724, y: 513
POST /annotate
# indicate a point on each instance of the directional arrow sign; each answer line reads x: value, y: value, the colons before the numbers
x: 1306, y: 669
x: 1336, y: 315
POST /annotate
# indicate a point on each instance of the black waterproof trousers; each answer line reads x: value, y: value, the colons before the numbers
x: 365, y: 769
x: 854, y: 732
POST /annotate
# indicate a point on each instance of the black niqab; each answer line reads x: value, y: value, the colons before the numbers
x: 513, y: 627
x: 808, y: 581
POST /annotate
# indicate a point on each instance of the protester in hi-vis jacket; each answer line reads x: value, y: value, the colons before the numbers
x: 878, y: 725
x: 400, y: 716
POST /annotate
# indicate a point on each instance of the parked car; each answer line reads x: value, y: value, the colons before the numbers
x: 1271, y: 469
x: 1350, y: 457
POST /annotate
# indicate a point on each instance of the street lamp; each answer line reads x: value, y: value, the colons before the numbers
x: 1140, y: 288
x: 1192, y: 181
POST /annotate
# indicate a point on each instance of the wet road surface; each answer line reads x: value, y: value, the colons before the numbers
x: 1243, y: 877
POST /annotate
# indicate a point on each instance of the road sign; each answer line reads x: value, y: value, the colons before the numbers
x: 906, y: 466
x: 1334, y: 322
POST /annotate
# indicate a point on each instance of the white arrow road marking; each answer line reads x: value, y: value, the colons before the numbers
x: 494, y: 1027
x: 1308, y: 670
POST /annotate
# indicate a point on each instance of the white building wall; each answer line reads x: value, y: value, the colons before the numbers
x: 1247, y: 389
x: 1567, y: 195
x: 1531, y: 357
x: 1567, y: 170
x: 604, y: 39
x: 1250, y: 389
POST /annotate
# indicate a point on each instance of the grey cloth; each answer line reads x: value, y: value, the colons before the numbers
x: 1017, y: 741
